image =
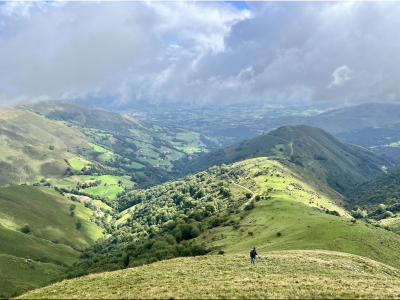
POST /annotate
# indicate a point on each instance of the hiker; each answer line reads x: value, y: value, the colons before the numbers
x: 253, y: 254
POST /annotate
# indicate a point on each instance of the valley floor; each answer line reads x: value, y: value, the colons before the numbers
x: 296, y: 274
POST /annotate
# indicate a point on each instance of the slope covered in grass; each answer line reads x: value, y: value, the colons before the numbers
x: 16, y: 276
x: 341, y: 165
x: 50, y: 243
x: 48, y: 215
x: 282, y: 274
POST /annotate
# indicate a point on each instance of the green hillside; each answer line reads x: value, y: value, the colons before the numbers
x: 48, y: 215
x: 378, y: 201
x: 276, y: 275
x: 340, y: 165
x: 17, y: 277
x: 272, y: 205
x: 52, y: 242
x: 290, y: 236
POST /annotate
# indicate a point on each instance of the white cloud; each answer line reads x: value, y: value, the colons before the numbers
x: 340, y: 76
x: 200, y: 51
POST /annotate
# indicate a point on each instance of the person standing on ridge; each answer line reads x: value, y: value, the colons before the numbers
x: 253, y: 254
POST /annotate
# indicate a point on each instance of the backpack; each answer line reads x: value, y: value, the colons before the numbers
x: 252, y: 253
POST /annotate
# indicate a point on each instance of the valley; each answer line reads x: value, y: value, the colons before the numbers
x: 90, y: 193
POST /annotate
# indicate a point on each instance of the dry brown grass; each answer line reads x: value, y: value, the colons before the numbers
x: 286, y: 274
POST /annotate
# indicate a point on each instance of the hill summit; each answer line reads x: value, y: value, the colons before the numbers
x: 339, y: 164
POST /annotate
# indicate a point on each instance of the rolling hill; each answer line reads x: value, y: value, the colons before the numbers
x: 341, y: 165
x: 371, y: 125
x: 304, y: 252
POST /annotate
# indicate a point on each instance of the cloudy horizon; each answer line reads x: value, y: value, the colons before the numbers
x: 200, y: 52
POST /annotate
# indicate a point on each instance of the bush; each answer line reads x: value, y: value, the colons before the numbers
x: 26, y: 229
x: 72, y: 207
x: 334, y: 213
x: 78, y: 224
x: 221, y: 252
x: 249, y: 195
x: 72, y: 214
x: 387, y: 214
x: 216, y: 222
x: 249, y: 206
x: 279, y: 234
x: 153, y: 259
x: 258, y: 197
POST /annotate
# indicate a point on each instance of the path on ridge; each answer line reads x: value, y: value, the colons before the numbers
x: 254, y: 195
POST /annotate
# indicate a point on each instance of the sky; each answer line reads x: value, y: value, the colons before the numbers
x: 200, y: 52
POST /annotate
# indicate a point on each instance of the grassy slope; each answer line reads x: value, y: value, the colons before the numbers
x: 285, y: 269
x: 16, y: 276
x: 283, y: 274
x: 292, y: 215
x: 48, y: 215
x: 25, y: 138
x: 23, y: 245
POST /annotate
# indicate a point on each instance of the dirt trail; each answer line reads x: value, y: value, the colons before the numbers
x: 254, y: 195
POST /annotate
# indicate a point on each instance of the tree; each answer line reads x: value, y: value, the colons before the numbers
x: 26, y: 229
x: 249, y: 195
x: 195, y: 232
x: 78, y: 224
x: 72, y: 214
x: 387, y: 214
x: 215, y: 222
x: 51, y: 147
x: 72, y: 207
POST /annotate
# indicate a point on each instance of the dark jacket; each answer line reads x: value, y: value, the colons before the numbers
x: 253, y: 253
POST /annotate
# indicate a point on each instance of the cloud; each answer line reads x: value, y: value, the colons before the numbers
x: 200, y: 52
x: 340, y: 76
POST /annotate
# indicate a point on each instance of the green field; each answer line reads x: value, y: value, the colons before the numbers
x: 108, y: 179
x: 98, y: 148
x: 109, y: 191
x: 106, y: 156
x: 136, y: 165
x: 78, y: 163
x: 104, y: 207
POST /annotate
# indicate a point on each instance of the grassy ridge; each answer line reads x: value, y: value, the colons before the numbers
x: 283, y: 274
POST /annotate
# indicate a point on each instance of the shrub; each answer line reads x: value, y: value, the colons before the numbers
x: 153, y: 259
x: 186, y: 252
x: 387, y: 214
x: 72, y: 207
x: 258, y: 197
x: 72, y: 214
x: 221, y: 252
x: 249, y: 195
x: 216, y: 222
x: 78, y: 224
x: 26, y: 229
x: 249, y: 206
x: 279, y: 234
